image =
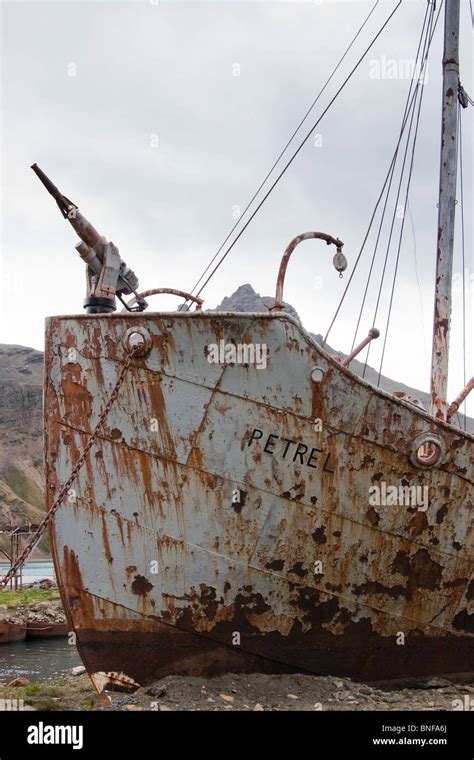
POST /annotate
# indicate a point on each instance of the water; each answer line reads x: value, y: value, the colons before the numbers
x: 32, y: 571
x: 39, y: 661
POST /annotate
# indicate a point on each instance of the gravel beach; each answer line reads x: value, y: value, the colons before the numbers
x: 256, y: 692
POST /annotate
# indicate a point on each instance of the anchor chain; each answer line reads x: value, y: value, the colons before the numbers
x: 65, y: 488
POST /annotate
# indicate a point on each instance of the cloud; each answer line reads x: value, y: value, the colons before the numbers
x: 158, y: 141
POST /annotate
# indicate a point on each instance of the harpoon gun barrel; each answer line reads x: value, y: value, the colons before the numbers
x: 69, y: 210
x: 108, y: 275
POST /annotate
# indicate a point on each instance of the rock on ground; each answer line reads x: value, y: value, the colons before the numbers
x: 231, y: 692
x: 40, y: 612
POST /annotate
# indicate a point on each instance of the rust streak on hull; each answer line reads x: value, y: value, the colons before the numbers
x: 215, y: 527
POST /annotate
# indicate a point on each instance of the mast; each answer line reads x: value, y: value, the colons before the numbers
x: 446, y: 208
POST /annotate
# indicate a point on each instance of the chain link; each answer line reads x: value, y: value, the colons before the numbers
x: 65, y: 488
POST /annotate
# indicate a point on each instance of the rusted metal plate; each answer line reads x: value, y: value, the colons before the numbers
x: 239, y: 517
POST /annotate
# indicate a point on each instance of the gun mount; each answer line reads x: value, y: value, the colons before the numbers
x: 107, y: 275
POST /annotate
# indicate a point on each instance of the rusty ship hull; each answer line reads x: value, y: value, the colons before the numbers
x: 222, y: 520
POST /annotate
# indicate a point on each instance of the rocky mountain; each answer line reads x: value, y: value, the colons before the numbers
x: 21, y: 439
x: 21, y: 425
x: 246, y: 299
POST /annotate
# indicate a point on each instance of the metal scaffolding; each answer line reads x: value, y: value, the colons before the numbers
x: 15, y: 533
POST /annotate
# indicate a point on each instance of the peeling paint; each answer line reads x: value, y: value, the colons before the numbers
x: 306, y: 571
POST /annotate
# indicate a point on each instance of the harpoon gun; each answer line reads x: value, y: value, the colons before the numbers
x: 107, y: 274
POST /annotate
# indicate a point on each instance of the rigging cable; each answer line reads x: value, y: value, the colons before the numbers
x: 341, y: 301
x: 283, y: 151
x: 423, y: 36
x: 389, y: 243
x: 400, y: 238
x: 349, y: 76
x: 423, y: 329
x: 381, y: 194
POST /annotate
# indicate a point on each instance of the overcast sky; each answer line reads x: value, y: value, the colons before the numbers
x: 160, y: 118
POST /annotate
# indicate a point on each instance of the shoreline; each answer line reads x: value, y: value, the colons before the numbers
x: 30, y: 614
x: 29, y: 573
x: 35, y: 613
